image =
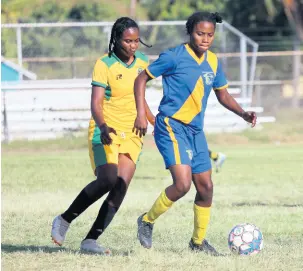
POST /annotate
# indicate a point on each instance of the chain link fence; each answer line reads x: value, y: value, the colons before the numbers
x: 69, y: 50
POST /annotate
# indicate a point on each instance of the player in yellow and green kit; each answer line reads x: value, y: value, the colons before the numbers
x: 113, y: 148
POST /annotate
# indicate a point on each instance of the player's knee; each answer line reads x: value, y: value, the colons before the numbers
x: 94, y: 190
x: 117, y: 194
x: 208, y: 186
x: 183, y: 188
x: 107, y: 181
x: 120, y: 187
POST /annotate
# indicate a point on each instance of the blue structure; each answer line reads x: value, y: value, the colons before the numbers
x: 11, y: 72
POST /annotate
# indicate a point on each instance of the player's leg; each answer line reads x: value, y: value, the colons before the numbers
x: 104, y: 161
x: 181, y: 175
x: 128, y: 157
x: 202, y: 208
x: 173, y: 147
x: 106, y: 179
x: 203, y: 200
x: 126, y: 170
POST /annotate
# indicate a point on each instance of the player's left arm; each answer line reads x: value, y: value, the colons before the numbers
x: 220, y: 86
x: 231, y: 104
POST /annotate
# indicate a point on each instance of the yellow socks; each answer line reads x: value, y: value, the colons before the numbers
x: 213, y: 155
x: 161, y: 205
x: 201, y: 216
x: 201, y: 221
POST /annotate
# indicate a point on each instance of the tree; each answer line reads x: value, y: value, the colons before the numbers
x: 180, y: 9
x: 294, y: 11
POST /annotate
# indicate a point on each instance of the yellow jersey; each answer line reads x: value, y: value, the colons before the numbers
x: 119, y: 107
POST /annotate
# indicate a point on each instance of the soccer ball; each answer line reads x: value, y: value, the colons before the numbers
x: 245, y: 239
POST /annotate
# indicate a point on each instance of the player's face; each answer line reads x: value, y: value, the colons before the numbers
x: 202, y: 36
x: 130, y: 41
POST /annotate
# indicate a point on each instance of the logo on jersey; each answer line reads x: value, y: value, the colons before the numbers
x: 119, y: 76
x: 208, y: 77
x: 190, y: 154
x: 140, y: 70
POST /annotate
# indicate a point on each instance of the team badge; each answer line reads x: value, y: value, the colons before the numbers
x: 208, y: 77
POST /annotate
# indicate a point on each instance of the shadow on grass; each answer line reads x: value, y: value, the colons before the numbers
x: 240, y: 204
x: 23, y: 248
x: 48, y: 249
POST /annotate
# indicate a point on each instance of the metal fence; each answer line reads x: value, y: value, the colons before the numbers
x: 69, y: 50
x: 62, y: 54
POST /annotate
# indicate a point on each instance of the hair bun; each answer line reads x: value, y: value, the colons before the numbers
x: 217, y: 17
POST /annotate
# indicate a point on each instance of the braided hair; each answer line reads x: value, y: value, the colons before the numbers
x: 202, y: 17
x: 118, y: 28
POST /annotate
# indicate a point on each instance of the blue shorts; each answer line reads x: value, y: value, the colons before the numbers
x: 178, y: 145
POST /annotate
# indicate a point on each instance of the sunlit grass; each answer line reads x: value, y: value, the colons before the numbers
x: 261, y: 183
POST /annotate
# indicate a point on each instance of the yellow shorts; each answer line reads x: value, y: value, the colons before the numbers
x: 126, y: 143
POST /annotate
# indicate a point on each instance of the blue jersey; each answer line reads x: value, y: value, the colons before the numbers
x: 187, y: 82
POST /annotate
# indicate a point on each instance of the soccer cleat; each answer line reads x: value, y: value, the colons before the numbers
x: 204, y: 247
x: 145, y: 232
x: 91, y: 246
x: 219, y: 161
x: 59, y: 229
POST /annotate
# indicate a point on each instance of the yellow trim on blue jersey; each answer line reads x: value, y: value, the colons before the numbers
x: 175, y: 142
x: 194, y: 56
x: 223, y: 87
x: 149, y: 73
x: 193, y: 105
x: 212, y: 61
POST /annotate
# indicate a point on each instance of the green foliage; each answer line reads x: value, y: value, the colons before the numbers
x: 180, y: 9
x: 250, y: 16
x: 90, y: 42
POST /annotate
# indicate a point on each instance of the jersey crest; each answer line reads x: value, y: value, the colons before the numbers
x: 208, y: 77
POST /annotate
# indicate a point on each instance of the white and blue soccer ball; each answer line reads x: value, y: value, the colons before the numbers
x: 245, y: 239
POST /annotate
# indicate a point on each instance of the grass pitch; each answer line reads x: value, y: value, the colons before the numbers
x: 261, y: 183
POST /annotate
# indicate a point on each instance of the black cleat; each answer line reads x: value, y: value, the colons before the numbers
x: 204, y: 247
x: 145, y: 232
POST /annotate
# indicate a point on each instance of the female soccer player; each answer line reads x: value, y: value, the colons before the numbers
x: 113, y: 147
x: 189, y: 72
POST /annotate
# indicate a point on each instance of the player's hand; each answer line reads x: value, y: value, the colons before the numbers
x: 152, y: 121
x: 105, y: 131
x: 250, y: 117
x: 140, y: 126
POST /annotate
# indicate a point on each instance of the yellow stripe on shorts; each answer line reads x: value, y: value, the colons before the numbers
x: 175, y: 142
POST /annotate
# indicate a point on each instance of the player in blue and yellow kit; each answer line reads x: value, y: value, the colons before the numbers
x: 113, y: 147
x: 189, y: 73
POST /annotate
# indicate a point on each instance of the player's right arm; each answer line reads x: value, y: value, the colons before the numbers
x: 99, y: 83
x: 165, y: 63
x: 97, y: 98
x: 140, y: 125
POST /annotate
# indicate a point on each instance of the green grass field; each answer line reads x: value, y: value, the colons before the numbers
x: 261, y: 183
